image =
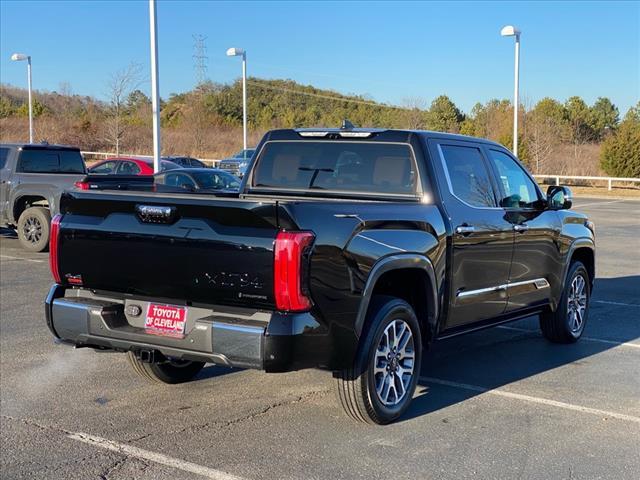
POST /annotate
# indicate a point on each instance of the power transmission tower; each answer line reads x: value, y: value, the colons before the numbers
x: 200, y: 58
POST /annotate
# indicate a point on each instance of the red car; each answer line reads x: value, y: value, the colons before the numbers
x: 129, y: 166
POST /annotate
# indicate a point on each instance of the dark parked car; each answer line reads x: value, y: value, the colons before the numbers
x: 238, y: 163
x: 32, y: 178
x: 186, y: 162
x: 348, y: 249
x: 199, y: 180
x: 129, y: 166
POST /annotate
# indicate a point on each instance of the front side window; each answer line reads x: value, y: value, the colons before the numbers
x: 106, y: 167
x: 366, y: 167
x: 179, y: 180
x: 216, y: 180
x: 468, y: 176
x: 519, y: 189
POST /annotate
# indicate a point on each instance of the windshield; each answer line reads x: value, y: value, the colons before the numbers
x: 369, y: 167
x: 216, y: 180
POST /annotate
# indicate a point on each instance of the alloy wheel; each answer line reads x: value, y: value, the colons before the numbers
x: 577, y: 303
x: 32, y: 230
x: 394, y: 363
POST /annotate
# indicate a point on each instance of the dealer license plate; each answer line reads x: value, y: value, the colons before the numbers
x: 166, y: 319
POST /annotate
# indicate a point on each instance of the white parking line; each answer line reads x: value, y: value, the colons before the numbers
x: 131, y: 451
x: 9, y: 257
x: 530, y: 399
x: 578, y: 205
x: 589, y: 339
x: 620, y: 304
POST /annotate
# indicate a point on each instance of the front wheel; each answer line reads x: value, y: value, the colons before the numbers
x: 168, y: 371
x: 567, y: 322
x: 379, y: 387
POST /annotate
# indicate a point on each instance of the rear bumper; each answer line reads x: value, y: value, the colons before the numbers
x: 270, y: 341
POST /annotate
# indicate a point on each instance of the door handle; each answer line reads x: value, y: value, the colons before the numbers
x: 465, y: 229
x: 523, y: 227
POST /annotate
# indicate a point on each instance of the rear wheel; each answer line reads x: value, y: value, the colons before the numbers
x: 33, y: 229
x: 168, y: 371
x: 379, y: 387
x: 567, y: 323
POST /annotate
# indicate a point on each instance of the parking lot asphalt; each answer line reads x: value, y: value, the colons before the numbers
x: 500, y: 403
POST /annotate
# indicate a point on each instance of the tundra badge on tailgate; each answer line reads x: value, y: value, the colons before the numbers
x: 155, y: 214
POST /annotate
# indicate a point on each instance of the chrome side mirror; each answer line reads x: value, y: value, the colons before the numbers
x: 559, y: 198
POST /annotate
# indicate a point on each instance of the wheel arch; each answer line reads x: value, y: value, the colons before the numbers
x: 21, y: 203
x: 586, y: 255
x: 407, y: 276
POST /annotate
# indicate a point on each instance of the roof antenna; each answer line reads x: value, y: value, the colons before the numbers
x: 347, y: 125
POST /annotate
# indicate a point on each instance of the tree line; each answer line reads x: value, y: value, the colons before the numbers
x: 553, y: 133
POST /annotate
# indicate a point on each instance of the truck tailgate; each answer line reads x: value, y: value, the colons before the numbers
x: 199, y: 250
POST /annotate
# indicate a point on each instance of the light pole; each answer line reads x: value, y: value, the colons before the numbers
x: 16, y: 57
x: 155, y: 95
x: 511, y: 31
x: 236, y: 52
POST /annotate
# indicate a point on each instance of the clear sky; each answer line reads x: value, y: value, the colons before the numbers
x: 386, y: 50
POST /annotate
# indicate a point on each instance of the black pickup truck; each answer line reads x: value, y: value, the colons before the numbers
x: 346, y: 249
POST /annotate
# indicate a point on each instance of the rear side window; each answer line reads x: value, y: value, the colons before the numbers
x: 50, y: 161
x: 71, y: 162
x: 129, y: 168
x: 4, y: 155
x: 370, y: 167
x: 467, y: 175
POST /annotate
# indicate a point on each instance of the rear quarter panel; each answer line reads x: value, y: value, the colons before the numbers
x: 351, y: 237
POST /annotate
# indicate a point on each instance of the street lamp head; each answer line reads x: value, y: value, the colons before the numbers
x: 16, y: 57
x: 509, y: 31
x: 235, y: 52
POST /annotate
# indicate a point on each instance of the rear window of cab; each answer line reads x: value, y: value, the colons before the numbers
x: 50, y: 161
x: 337, y: 166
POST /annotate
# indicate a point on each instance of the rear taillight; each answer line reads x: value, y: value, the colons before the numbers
x: 53, y: 247
x: 289, y: 271
x: 81, y: 185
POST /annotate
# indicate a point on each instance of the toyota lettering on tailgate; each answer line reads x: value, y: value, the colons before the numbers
x: 166, y: 319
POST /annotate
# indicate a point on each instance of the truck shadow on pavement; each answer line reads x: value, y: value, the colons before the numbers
x: 7, y: 233
x: 497, y: 357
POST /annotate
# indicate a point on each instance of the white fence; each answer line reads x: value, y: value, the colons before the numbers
x: 609, y: 180
x: 101, y: 155
x: 214, y: 162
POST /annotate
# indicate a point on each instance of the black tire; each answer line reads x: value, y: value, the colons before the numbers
x: 34, y: 226
x: 561, y: 326
x: 356, y: 386
x: 169, y: 371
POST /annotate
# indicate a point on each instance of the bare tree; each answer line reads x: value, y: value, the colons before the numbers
x: 119, y: 86
x: 415, y: 115
x: 542, y: 140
